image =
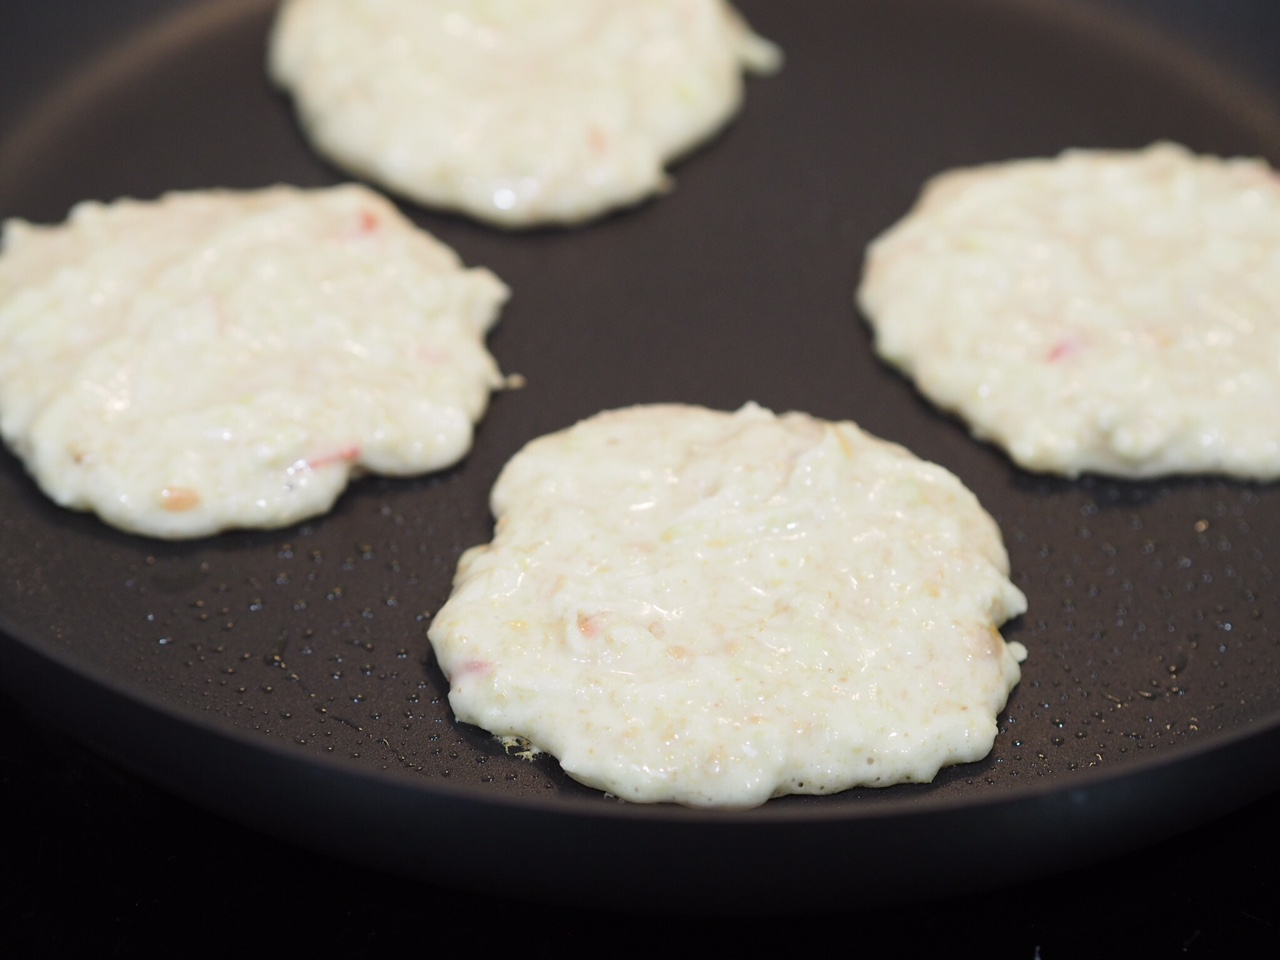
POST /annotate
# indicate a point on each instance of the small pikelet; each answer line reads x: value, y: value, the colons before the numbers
x: 518, y: 113
x: 717, y: 608
x: 1105, y: 311
x: 227, y: 359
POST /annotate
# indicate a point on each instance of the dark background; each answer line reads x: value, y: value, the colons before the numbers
x: 100, y: 860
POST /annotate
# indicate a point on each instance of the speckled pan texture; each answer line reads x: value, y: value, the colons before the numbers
x: 285, y: 678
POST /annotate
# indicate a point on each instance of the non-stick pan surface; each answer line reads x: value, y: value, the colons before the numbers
x: 284, y: 678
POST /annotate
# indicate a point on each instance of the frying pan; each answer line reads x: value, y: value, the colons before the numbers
x: 283, y: 678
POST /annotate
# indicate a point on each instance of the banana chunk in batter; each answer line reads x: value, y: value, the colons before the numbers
x: 223, y: 359
x: 718, y: 608
x: 521, y: 112
x: 1115, y: 312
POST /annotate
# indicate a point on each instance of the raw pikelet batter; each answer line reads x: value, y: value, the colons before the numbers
x: 216, y: 360
x: 714, y: 609
x: 1114, y: 312
x: 519, y: 113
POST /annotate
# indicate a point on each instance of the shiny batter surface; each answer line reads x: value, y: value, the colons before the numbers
x: 714, y: 609
x: 517, y: 112
x: 1104, y: 311
x: 215, y: 360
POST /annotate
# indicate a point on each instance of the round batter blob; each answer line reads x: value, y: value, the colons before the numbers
x: 1106, y: 311
x: 714, y: 609
x: 215, y: 360
x: 521, y: 112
